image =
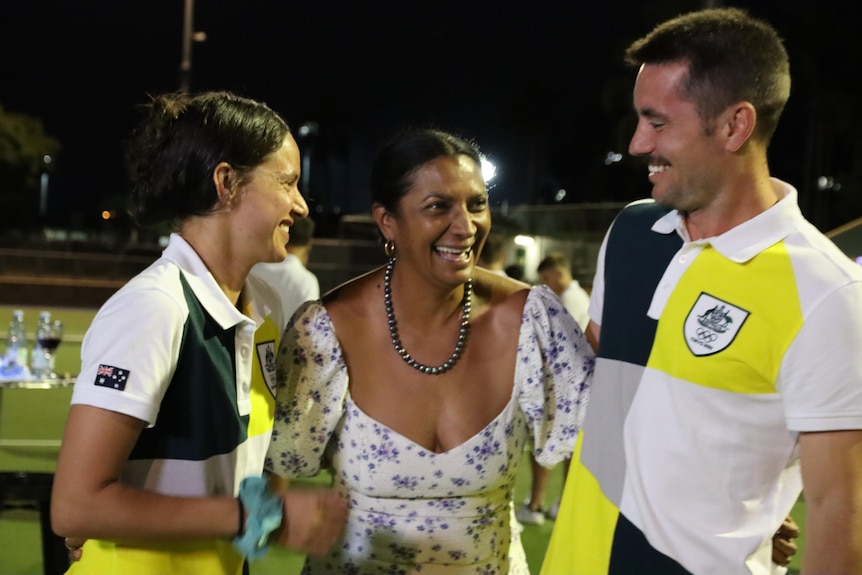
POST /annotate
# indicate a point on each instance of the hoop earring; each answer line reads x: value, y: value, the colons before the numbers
x: 389, y: 248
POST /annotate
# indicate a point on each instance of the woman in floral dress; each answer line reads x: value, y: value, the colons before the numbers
x: 421, y: 383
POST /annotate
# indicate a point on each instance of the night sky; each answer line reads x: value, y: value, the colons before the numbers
x: 540, y: 86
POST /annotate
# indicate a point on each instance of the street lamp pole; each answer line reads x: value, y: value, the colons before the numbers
x: 186, y: 62
x: 43, y: 186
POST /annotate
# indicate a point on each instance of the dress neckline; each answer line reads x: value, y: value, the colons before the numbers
x: 485, y: 431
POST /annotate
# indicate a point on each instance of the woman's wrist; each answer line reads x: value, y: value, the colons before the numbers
x: 241, y: 526
x: 261, y: 513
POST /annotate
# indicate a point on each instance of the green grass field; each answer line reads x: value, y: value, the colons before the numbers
x: 38, y: 416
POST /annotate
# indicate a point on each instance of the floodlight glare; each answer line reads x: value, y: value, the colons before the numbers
x: 489, y: 170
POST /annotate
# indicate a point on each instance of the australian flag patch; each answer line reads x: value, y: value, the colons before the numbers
x: 113, y: 377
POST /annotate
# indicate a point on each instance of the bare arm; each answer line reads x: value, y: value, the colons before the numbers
x: 593, y: 332
x: 89, y: 501
x: 832, y: 479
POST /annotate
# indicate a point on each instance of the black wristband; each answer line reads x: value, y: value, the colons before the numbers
x: 241, y: 528
x: 265, y: 514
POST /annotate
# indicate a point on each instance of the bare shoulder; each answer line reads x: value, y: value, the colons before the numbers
x: 496, y: 288
x: 505, y: 297
x: 350, y: 299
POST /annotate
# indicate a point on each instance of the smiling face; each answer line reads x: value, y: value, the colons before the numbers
x: 269, y: 202
x: 683, y: 154
x: 442, y: 220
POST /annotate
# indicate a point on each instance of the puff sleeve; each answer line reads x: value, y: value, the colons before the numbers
x: 554, y: 369
x: 311, y: 388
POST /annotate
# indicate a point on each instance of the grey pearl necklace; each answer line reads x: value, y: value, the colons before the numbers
x: 393, y: 326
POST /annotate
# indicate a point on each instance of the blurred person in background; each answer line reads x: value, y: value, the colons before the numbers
x: 555, y: 271
x: 516, y: 272
x: 291, y: 278
x: 493, y: 256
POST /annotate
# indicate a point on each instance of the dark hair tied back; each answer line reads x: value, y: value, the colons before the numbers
x: 400, y: 158
x: 181, y: 138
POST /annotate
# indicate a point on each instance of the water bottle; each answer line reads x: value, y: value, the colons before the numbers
x: 15, y: 358
x: 39, y: 360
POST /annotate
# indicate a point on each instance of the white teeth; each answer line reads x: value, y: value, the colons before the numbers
x: 655, y: 169
x: 459, y: 254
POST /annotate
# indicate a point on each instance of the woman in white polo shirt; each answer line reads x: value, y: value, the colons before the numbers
x: 172, y: 407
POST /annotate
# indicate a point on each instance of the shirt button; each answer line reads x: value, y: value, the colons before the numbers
x: 682, y: 259
x: 243, y: 351
x: 245, y: 386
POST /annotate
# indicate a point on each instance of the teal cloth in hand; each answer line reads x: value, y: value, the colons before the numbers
x: 265, y: 514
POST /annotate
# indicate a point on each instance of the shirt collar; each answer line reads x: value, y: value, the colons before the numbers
x: 743, y: 242
x: 207, y: 290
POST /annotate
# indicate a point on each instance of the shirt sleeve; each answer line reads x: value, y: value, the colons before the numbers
x: 312, y: 287
x: 310, y: 393
x: 820, y: 381
x: 129, y: 353
x: 577, y: 302
x: 597, y: 294
x: 555, y: 365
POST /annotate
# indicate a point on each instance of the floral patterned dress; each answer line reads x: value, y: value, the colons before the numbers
x: 413, y: 510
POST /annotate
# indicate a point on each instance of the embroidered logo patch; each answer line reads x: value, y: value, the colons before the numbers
x: 712, y: 325
x: 266, y: 357
x: 113, y: 377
